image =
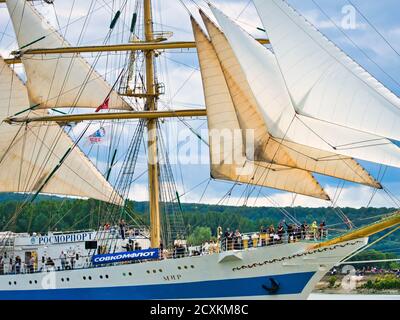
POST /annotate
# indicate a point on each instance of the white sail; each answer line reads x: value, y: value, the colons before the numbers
x: 57, y: 80
x: 276, y: 106
x: 269, y: 148
x: 227, y: 158
x: 322, y: 80
x: 29, y: 153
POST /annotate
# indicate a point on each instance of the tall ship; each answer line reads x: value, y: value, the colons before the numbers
x: 278, y: 109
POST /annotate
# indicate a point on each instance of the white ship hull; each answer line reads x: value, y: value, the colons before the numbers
x: 246, y: 274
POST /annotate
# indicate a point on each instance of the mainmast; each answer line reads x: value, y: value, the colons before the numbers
x: 151, y: 105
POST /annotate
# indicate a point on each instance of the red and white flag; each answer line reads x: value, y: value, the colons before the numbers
x: 104, y: 105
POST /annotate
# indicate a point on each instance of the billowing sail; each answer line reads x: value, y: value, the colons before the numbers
x: 322, y: 80
x: 226, y: 141
x: 276, y: 106
x: 57, y: 80
x: 29, y: 153
x: 270, y: 149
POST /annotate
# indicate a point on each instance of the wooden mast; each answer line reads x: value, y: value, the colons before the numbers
x: 151, y: 105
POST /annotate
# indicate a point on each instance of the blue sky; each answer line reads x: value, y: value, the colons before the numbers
x: 179, y: 71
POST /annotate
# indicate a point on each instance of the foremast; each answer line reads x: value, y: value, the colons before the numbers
x: 151, y: 105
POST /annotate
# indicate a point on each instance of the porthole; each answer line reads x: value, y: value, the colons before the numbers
x: 9, y: 283
x: 130, y: 273
x: 15, y: 282
x: 192, y: 266
x: 159, y: 270
x: 106, y: 276
x: 68, y: 279
x: 36, y: 281
x: 90, y: 278
x: 179, y: 267
x: 30, y: 281
x: 185, y: 267
x: 124, y: 274
x: 101, y: 277
x: 154, y: 271
x: 62, y: 279
x: 84, y: 278
x: 148, y: 271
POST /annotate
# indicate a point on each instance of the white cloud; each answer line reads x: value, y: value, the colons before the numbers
x: 139, y: 192
x: 354, y: 197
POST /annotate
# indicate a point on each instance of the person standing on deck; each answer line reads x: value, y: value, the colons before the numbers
x: 304, y: 229
x: 263, y: 236
x: 31, y: 264
x: 290, y: 231
x: 237, y: 239
x: 18, y: 263
x: 122, y: 228
x: 280, y: 231
x: 63, y: 260
x: 226, y: 240
x: 71, y: 256
x: 1, y: 265
x: 314, y: 229
x: 322, y: 230
x: 219, y: 236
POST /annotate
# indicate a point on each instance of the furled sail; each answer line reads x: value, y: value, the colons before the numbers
x: 57, y: 80
x: 276, y: 106
x: 270, y: 149
x: 227, y: 159
x: 322, y: 80
x: 29, y: 153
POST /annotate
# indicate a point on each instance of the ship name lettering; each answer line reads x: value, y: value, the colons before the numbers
x: 172, y: 277
x: 63, y: 238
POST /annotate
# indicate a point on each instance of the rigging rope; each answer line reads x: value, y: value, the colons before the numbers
x: 373, y: 27
x: 355, y: 44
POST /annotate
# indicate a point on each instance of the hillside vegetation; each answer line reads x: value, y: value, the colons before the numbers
x: 51, y: 213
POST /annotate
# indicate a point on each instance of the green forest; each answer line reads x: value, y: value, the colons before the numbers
x: 53, y: 213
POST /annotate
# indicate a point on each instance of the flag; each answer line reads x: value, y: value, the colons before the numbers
x: 104, y: 105
x: 97, y: 136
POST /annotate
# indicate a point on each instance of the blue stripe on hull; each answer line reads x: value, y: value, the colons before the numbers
x: 293, y: 283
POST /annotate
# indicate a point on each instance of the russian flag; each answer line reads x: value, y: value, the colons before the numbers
x: 104, y: 105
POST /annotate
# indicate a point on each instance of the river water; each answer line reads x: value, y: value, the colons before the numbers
x: 322, y: 296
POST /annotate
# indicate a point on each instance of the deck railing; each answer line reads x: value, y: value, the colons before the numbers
x: 243, y: 242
